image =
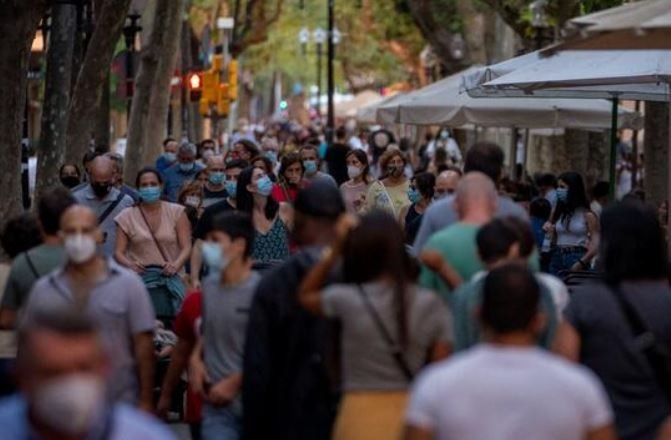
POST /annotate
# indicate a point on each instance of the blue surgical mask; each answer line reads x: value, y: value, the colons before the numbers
x: 216, y: 177
x: 214, y: 256
x: 310, y: 166
x: 231, y: 188
x: 169, y: 157
x: 186, y: 167
x: 150, y: 194
x: 272, y: 155
x: 264, y: 185
x: 562, y: 194
x: 414, y: 195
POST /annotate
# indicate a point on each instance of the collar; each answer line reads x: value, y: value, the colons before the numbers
x: 113, y: 269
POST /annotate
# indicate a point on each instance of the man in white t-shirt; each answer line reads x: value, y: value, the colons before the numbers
x: 507, y: 389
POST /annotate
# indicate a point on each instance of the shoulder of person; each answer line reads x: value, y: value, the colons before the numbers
x: 130, y: 422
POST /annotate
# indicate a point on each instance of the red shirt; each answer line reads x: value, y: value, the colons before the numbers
x: 280, y: 193
x: 187, y: 326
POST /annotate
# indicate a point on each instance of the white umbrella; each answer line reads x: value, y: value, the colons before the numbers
x: 444, y: 103
x: 368, y: 114
x: 636, y: 25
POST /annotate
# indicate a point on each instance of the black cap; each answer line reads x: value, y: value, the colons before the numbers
x: 320, y: 199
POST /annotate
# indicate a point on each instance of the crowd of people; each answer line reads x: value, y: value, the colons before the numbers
x: 277, y: 287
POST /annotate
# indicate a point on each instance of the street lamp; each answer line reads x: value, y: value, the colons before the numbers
x: 320, y: 39
x: 539, y: 20
x: 130, y: 31
x: 457, y: 47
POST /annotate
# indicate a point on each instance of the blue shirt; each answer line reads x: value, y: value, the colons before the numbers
x: 127, y: 423
x: 174, y: 179
x: 162, y: 164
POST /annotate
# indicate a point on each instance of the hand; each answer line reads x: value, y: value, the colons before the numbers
x: 195, y: 283
x: 170, y: 269
x: 579, y: 267
x: 165, y: 351
x: 548, y: 227
x: 163, y: 406
x: 224, y: 391
x: 198, y: 377
x: 432, y: 259
x: 138, y: 267
x: 345, y: 223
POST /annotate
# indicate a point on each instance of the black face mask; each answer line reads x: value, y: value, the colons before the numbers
x: 70, y: 181
x: 101, y: 189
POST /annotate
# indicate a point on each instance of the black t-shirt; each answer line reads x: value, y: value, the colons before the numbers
x: 217, y: 196
x: 336, y: 160
x: 204, y: 224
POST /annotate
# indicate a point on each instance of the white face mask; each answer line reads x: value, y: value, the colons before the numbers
x: 193, y: 201
x: 80, y: 247
x: 353, y: 171
x: 207, y: 154
x: 71, y: 404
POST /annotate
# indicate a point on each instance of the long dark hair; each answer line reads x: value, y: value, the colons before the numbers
x: 375, y: 248
x: 286, y: 162
x: 362, y: 157
x: 632, y: 245
x: 245, y: 199
x: 577, y: 197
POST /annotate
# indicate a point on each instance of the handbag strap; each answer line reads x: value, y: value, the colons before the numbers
x: 111, y: 208
x: 31, y: 265
x: 646, y: 342
x: 151, y: 232
x: 395, y: 349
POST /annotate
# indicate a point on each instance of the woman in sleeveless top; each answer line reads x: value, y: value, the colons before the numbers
x: 575, y: 227
x: 154, y: 240
x: 389, y: 326
x: 272, y: 220
x: 391, y: 193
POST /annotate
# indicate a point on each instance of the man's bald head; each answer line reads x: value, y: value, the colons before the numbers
x: 476, y: 193
x: 79, y: 219
x: 216, y: 163
x: 102, y: 170
x: 446, y: 182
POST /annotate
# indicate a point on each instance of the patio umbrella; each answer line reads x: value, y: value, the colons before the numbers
x: 636, y: 25
x: 368, y: 114
x: 630, y: 74
x: 444, y: 103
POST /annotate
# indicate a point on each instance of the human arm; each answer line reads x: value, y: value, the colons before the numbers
x: 183, y: 229
x: 433, y: 260
x: 567, y: 341
x: 120, y: 248
x: 178, y: 362
x: 196, y: 263
x: 287, y: 214
x: 143, y: 346
x: 224, y: 391
x: 603, y: 433
x: 417, y: 433
x: 199, y: 380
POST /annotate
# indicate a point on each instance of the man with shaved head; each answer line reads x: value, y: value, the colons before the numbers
x: 104, y: 199
x: 475, y: 202
x: 113, y: 296
x: 446, y: 183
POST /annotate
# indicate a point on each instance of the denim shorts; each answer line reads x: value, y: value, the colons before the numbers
x: 563, y: 259
x: 221, y: 423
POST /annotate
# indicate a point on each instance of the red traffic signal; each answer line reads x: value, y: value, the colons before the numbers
x: 194, y: 82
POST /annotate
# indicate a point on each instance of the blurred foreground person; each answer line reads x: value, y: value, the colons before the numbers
x: 288, y: 388
x: 64, y: 368
x: 508, y: 389
x: 115, y: 298
x: 390, y: 327
x: 621, y: 328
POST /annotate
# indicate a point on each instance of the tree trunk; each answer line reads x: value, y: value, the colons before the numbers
x: 101, y: 133
x: 159, y: 103
x: 145, y: 82
x: 58, y: 79
x: 95, y: 69
x: 191, y: 129
x: 18, y: 23
x: 655, y: 147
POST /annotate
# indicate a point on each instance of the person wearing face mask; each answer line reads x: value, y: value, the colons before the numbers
x: 103, y: 198
x: 154, y: 240
x: 69, y: 175
x: 290, y: 178
x: 118, y: 179
x: 114, y: 296
x: 169, y: 155
x: 214, y: 189
x: 355, y: 189
x: 270, y: 148
x: 421, y: 196
x: 216, y: 364
x: 446, y: 183
x: 272, y: 220
x: 391, y: 193
x: 191, y: 198
x: 64, y: 372
x: 310, y: 157
x: 204, y: 225
x: 445, y: 141
x: 575, y: 228
x: 184, y: 171
x: 245, y: 149
x: 206, y: 150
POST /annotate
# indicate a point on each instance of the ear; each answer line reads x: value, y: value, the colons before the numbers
x: 538, y: 323
x: 513, y: 251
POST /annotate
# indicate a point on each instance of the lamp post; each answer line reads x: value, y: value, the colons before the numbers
x: 330, y: 115
x: 539, y: 20
x: 320, y: 38
x: 130, y: 31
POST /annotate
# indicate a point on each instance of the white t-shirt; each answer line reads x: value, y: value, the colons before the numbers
x: 508, y: 393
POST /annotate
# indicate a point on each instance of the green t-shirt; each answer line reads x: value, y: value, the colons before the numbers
x: 27, y: 268
x: 457, y: 245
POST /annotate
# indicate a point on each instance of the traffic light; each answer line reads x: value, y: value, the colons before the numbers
x: 210, y: 85
x: 233, y: 80
x: 223, y: 103
x: 195, y: 84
